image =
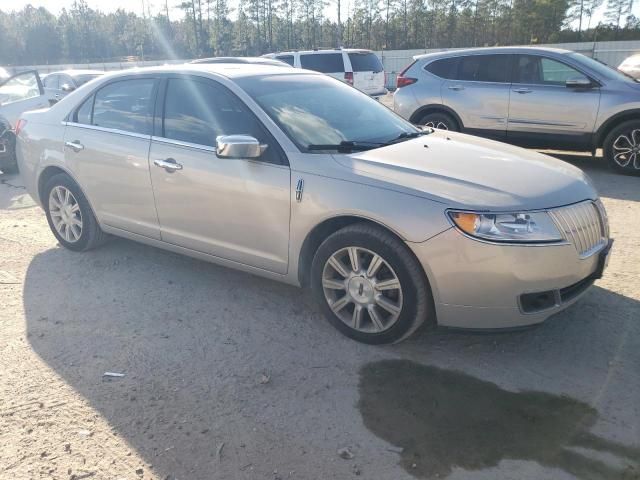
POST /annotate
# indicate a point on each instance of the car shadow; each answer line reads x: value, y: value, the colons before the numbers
x: 197, y: 341
x: 13, y: 195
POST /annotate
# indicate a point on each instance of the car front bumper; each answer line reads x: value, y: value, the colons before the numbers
x: 479, y: 285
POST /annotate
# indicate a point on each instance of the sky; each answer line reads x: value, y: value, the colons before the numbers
x: 136, y: 6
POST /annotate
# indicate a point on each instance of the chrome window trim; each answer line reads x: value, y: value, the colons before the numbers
x: 572, y: 63
x: 180, y: 143
x: 208, y: 149
x: 107, y: 130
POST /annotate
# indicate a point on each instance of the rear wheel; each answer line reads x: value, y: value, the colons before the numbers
x: 440, y: 120
x: 69, y: 215
x: 369, y: 285
x: 622, y: 148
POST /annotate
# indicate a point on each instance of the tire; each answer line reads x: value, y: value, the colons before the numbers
x: 440, y: 120
x: 89, y: 234
x: 624, y: 137
x: 412, y: 302
x: 10, y: 167
x: 9, y: 164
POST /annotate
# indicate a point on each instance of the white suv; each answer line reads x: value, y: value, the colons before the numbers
x: 359, y: 68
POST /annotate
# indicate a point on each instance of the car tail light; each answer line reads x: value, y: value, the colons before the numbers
x: 348, y: 77
x: 403, y: 81
x: 20, y: 125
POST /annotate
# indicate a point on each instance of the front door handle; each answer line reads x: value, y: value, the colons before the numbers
x: 522, y: 91
x: 456, y: 88
x: 76, y: 146
x: 170, y: 165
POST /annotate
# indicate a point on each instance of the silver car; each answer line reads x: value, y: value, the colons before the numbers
x: 295, y: 176
x: 534, y: 97
x: 59, y: 84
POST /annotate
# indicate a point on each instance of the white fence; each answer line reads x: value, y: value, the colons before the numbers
x: 394, y: 61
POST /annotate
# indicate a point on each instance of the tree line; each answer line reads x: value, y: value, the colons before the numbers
x: 81, y: 34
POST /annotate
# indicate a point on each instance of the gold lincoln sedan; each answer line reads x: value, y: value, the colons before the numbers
x: 298, y: 177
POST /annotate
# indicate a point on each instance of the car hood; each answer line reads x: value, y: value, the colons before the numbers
x: 470, y: 172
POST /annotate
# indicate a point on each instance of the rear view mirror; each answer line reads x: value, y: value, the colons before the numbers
x: 67, y: 88
x: 578, y: 82
x: 239, y: 146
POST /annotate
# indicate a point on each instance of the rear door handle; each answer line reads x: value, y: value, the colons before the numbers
x: 522, y: 91
x: 456, y: 87
x: 170, y: 165
x: 76, y: 146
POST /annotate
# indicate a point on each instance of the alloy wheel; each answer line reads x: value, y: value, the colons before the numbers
x: 626, y: 149
x: 362, y: 289
x: 437, y: 124
x: 65, y: 214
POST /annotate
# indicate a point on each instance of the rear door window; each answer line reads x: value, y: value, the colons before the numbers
x: 125, y: 105
x: 444, y: 68
x: 286, y: 58
x: 323, y: 62
x: 365, y: 62
x: 484, y: 68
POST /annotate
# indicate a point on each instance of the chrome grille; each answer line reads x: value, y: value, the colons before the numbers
x: 584, y: 225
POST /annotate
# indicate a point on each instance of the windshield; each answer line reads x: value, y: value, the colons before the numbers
x: 601, y: 69
x: 318, y: 110
x: 84, y: 78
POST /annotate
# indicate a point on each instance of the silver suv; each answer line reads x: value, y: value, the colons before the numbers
x: 533, y: 97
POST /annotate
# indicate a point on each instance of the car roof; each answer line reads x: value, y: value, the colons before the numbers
x: 325, y: 50
x: 229, y: 70
x: 258, y: 60
x: 73, y: 72
x: 490, y: 50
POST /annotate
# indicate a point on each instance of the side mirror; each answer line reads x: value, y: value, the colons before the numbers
x: 578, y: 82
x: 239, y: 146
x: 67, y: 88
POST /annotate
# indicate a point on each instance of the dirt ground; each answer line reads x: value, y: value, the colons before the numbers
x: 230, y: 376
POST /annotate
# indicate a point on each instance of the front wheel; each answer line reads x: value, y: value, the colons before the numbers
x: 622, y: 148
x: 370, y: 286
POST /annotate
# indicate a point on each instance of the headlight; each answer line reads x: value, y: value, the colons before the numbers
x: 508, y: 227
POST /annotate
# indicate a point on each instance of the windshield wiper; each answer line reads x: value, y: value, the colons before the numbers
x: 407, y: 136
x: 346, y: 146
